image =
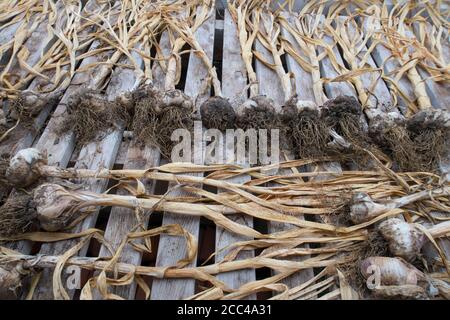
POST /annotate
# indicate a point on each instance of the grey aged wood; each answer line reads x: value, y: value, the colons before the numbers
x: 8, y: 32
x: 171, y: 249
x: 23, y: 138
x: 37, y: 42
x: 95, y: 155
x: 122, y: 220
x: 270, y: 85
x: 437, y: 91
x: 234, y: 81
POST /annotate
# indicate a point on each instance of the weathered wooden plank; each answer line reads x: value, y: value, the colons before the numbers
x: 437, y: 91
x: 95, y: 155
x: 28, y: 21
x: 382, y: 56
x: 270, y: 85
x: 35, y: 46
x: 303, y: 78
x: 171, y: 249
x: 333, y: 89
x: 234, y: 80
x: 23, y: 137
x: 122, y: 220
x: 59, y: 148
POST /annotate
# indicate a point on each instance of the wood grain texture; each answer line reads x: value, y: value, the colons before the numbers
x: 122, y: 220
x: 437, y: 91
x: 270, y: 85
x: 234, y: 80
x: 381, y: 56
x: 37, y: 43
x: 171, y: 249
x: 95, y: 155
x: 58, y: 147
x: 23, y: 137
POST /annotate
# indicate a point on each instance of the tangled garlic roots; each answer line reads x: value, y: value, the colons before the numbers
x: 29, y: 104
x: 130, y: 99
x: 17, y: 215
x: 343, y: 116
x: 309, y: 135
x: 375, y: 245
x: 429, y: 131
x: 155, y: 119
x: 258, y: 113
x: 404, y: 239
x: 217, y: 113
x: 89, y: 112
x: 23, y: 168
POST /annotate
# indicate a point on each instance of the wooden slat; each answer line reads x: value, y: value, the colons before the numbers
x: 437, y: 91
x: 122, y: 220
x: 333, y: 89
x: 382, y: 57
x: 95, y: 155
x: 36, y: 44
x: 270, y: 85
x: 234, y: 81
x: 23, y: 137
x: 171, y: 249
x: 59, y: 148
x: 8, y: 32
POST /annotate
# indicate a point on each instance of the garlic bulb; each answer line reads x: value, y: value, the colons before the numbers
x: 363, y: 208
x: 404, y: 239
x: 247, y: 105
x: 391, y: 271
x: 10, y: 280
x: 55, y: 207
x: 174, y: 98
x: 23, y: 167
x: 217, y: 113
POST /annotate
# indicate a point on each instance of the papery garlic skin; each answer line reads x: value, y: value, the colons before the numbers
x: 10, y: 280
x: 404, y: 239
x: 363, y: 208
x: 23, y: 167
x: 54, y: 207
x: 391, y: 271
